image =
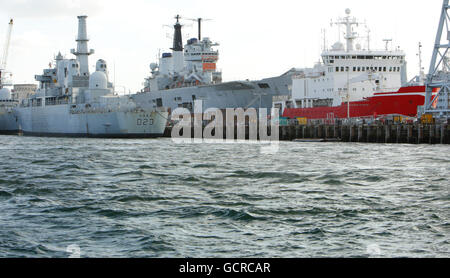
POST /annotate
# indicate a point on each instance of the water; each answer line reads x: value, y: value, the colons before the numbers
x: 155, y: 198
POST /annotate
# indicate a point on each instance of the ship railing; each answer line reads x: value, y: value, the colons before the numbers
x: 105, y: 110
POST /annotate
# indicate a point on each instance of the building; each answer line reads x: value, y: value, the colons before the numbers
x: 23, y: 91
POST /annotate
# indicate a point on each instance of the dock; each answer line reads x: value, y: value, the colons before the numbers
x: 399, y: 133
x: 374, y: 133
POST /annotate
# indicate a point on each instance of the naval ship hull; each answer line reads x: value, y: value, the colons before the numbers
x: 61, y: 121
x: 239, y: 94
x: 8, y: 121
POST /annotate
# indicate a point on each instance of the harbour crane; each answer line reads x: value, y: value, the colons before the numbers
x: 4, y: 57
x: 439, y: 73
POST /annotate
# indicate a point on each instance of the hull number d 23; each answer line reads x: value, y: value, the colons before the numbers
x: 144, y: 122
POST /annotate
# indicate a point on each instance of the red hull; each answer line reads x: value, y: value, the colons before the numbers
x: 404, y: 102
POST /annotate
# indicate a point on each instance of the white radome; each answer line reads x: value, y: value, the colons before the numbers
x: 338, y: 46
x: 98, y: 80
x: 5, y: 94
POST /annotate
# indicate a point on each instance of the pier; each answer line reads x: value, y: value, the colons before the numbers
x: 398, y: 133
x: 374, y: 133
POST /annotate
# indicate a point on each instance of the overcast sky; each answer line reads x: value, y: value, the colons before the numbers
x: 258, y: 38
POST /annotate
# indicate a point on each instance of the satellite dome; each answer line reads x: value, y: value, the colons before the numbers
x: 98, y: 80
x: 338, y: 46
x: 101, y: 65
x: 5, y: 94
x: 153, y: 66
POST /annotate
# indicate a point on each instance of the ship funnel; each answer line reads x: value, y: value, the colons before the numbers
x: 82, y: 51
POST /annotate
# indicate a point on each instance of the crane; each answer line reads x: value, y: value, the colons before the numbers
x: 439, y: 105
x: 4, y: 57
x: 6, y: 46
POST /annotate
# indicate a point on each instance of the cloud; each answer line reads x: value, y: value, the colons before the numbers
x: 49, y: 8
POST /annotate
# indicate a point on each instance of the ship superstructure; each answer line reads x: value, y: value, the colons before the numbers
x: 72, y: 102
x: 349, y: 73
x: 190, y: 73
x: 348, y: 76
x: 190, y: 65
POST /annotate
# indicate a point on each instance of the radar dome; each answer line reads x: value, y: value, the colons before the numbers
x: 98, y: 80
x: 5, y: 94
x: 101, y: 65
x: 338, y: 46
x: 153, y: 66
x: 348, y: 11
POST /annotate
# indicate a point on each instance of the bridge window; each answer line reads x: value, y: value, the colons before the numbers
x: 264, y: 85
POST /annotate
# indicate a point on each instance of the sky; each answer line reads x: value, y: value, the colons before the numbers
x: 258, y: 38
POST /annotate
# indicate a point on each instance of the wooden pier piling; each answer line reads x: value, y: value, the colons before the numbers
x: 364, y: 133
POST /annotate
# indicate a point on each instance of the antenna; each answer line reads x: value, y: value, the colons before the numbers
x: 387, y: 41
x: 368, y: 39
x: 421, y: 69
x: 199, y: 22
x: 348, y: 22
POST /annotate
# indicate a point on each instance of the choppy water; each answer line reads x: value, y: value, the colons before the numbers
x: 154, y: 198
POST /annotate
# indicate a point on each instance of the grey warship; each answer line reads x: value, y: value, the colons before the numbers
x: 8, y: 120
x: 189, y: 73
x: 72, y: 102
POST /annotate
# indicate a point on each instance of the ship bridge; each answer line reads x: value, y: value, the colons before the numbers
x: 349, y: 73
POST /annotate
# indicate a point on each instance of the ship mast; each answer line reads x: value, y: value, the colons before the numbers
x: 199, y: 23
x: 82, y: 51
x: 178, y: 56
x: 421, y: 68
x: 348, y: 22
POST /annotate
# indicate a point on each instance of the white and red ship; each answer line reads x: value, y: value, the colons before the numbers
x: 403, y: 102
x: 352, y: 82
